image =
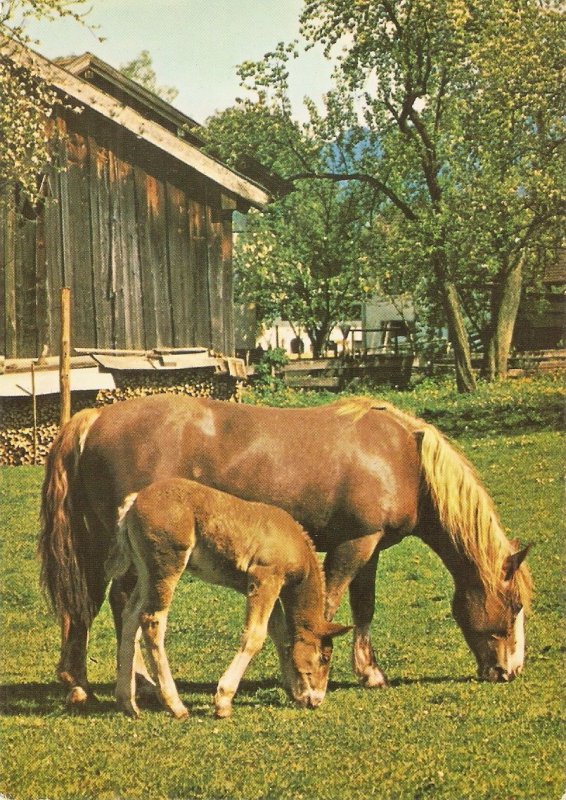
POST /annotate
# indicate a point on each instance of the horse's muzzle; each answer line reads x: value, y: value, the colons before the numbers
x: 497, y: 675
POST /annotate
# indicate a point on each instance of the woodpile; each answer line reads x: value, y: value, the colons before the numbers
x: 16, y: 414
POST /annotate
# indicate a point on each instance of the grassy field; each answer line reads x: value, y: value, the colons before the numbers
x: 435, y: 733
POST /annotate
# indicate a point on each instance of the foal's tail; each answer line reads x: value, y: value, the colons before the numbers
x: 63, y: 540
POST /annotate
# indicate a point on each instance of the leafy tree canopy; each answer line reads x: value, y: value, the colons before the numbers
x: 25, y: 102
x: 141, y: 70
x: 451, y: 114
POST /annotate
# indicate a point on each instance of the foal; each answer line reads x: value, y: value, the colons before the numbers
x: 257, y: 549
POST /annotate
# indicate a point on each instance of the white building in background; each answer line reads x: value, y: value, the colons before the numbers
x: 382, y: 326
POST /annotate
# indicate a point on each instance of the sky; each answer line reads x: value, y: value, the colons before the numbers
x: 195, y: 45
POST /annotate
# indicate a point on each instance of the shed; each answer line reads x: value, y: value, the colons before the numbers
x: 136, y: 219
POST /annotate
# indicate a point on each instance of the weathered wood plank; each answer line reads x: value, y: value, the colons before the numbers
x: 180, y: 268
x: 100, y: 223
x: 215, y: 270
x: 77, y: 239
x: 25, y: 287
x: 125, y: 257
x: 201, y: 301
x: 53, y: 227
x: 10, y: 325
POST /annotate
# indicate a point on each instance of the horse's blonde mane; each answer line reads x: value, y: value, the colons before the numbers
x: 464, y: 508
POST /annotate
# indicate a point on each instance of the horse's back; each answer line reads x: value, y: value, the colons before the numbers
x: 332, y: 467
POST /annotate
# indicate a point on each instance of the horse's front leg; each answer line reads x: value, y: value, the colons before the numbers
x: 362, y: 603
x: 352, y: 565
x: 262, y: 593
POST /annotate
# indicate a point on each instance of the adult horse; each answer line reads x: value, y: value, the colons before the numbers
x: 357, y: 476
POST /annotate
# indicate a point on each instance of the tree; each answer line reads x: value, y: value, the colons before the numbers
x: 140, y: 70
x: 304, y: 258
x: 25, y: 102
x: 450, y: 113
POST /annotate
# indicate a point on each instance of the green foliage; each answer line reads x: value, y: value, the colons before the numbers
x: 25, y: 101
x: 305, y: 258
x: 451, y: 115
x: 266, y: 378
x: 140, y: 69
x: 501, y: 407
x: 436, y: 732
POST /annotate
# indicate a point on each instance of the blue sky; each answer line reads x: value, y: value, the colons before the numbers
x: 195, y: 45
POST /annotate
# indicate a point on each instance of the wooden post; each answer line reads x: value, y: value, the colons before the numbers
x: 34, y: 406
x: 65, y: 357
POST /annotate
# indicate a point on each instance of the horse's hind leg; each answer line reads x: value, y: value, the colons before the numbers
x: 263, y: 590
x: 71, y: 669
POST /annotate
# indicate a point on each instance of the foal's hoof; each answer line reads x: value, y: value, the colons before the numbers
x: 223, y: 712
x: 180, y: 713
x: 77, y: 698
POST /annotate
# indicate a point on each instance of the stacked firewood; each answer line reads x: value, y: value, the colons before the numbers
x: 16, y: 414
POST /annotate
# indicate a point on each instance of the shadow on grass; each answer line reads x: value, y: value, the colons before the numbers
x: 48, y: 699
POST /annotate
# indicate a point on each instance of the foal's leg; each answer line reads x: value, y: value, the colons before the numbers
x: 126, y: 683
x: 120, y: 590
x: 279, y: 633
x: 352, y: 565
x: 263, y: 590
x: 158, y: 585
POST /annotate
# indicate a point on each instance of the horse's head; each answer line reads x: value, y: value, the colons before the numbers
x: 308, y: 664
x: 494, y: 626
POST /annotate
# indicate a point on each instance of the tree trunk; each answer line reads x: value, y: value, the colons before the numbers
x: 465, y: 379
x: 318, y: 337
x: 505, y: 299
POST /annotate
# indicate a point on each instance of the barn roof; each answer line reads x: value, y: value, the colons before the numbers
x: 91, y: 83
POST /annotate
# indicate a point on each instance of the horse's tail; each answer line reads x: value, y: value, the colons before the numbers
x: 120, y: 557
x: 63, y: 540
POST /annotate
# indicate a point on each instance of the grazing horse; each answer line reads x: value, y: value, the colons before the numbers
x: 357, y: 475
x: 259, y: 550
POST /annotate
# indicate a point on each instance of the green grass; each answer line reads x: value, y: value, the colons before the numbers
x: 435, y: 733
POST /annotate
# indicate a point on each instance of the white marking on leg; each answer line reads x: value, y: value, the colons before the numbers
x: 517, y: 657
x: 364, y: 660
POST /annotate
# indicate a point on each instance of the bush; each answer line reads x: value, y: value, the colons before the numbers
x: 511, y: 406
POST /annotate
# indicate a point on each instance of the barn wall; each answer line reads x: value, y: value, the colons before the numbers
x: 144, y: 244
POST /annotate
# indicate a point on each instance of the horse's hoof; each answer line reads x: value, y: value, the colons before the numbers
x: 374, y: 679
x: 128, y: 708
x: 223, y: 712
x: 77, y: 698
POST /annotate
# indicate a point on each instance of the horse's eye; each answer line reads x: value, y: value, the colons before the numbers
x: 502, y: 634
x: 516, y: 608
x: 324, y: 659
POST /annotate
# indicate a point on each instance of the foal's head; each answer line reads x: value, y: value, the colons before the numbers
x: 308, y: 664
x: 493, y: 624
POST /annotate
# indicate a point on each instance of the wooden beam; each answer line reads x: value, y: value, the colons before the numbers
x: 84, y: 93
x: 65, y: 357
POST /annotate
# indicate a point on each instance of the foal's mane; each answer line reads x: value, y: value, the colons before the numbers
x: 465, y: 509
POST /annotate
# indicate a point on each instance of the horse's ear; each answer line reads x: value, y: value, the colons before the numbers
x: 513, y: 562
x: 332, y: 629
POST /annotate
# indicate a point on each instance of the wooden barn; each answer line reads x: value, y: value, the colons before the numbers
x: 136, y: 220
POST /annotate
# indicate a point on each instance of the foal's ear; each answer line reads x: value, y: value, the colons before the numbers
x: 332, y: 629
x: 513, y: 562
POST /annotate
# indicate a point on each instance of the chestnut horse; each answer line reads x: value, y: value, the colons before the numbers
x: 176, y: 525
x: 357, y: 475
